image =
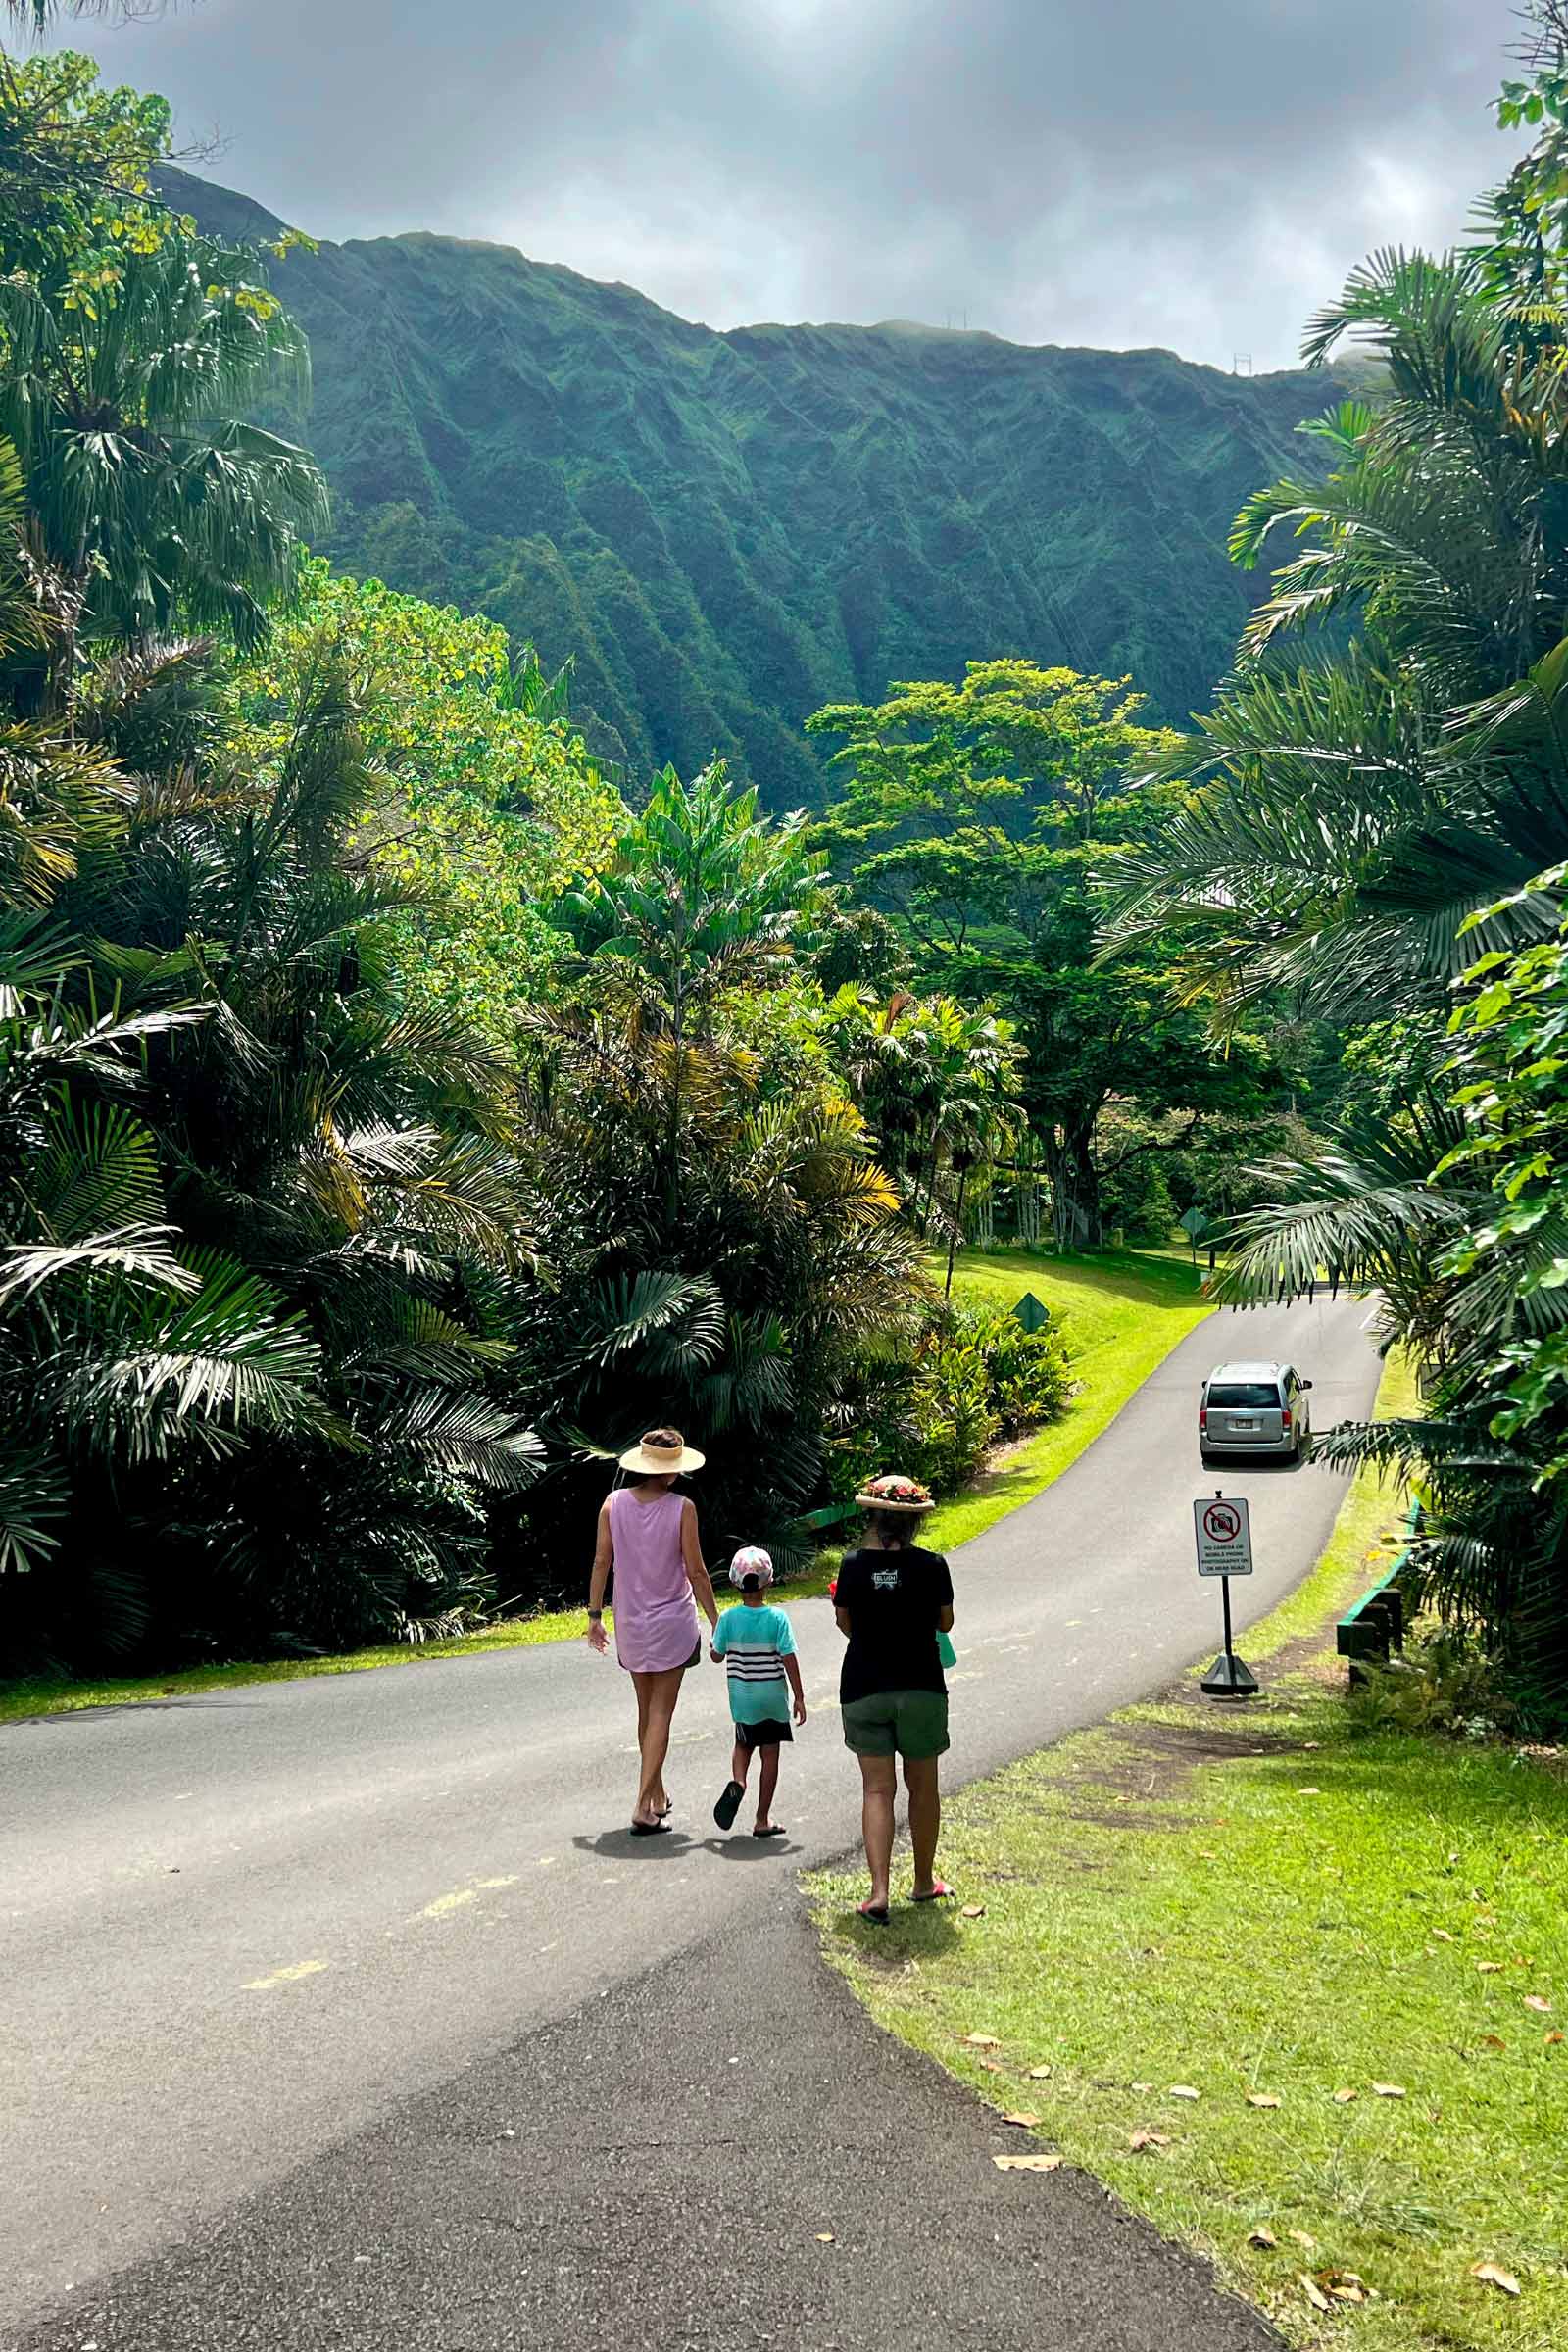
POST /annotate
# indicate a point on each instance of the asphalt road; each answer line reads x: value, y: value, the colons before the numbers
x: 246, y: 1929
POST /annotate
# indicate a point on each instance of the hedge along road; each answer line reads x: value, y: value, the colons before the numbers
x: 239, y: 1925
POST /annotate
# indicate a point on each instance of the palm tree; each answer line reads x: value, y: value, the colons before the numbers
x: 149, y: 501
x: 252, y: 1212
x: 1349, y: 815
x: 703, y: 899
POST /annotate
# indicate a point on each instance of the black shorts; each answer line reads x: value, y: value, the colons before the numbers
x: 764, y: 1734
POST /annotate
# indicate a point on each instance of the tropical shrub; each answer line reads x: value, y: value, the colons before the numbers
x: 974, y: 1375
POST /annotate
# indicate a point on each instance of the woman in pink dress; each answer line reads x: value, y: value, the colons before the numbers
x: 648, y: 1534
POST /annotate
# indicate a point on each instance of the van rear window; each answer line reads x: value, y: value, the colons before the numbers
x: 1247, y: 1396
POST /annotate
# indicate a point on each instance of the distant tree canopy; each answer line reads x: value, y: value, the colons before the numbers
x: 975, y: 815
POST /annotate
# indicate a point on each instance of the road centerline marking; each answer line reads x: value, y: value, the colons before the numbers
x: 284, y: 1976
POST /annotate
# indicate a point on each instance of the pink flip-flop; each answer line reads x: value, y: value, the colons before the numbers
x: 941, y: 1892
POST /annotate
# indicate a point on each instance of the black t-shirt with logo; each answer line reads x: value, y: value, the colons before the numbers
x: 893, y: 1599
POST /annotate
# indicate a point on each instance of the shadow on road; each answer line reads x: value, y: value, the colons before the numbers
x: 619, y: 1845
x: 126, y: 1706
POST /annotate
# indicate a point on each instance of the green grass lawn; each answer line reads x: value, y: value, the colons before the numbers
x: 1281, y: 1917
x: 1126, y: 1310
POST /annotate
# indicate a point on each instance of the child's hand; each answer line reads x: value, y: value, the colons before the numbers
x: 713, y: 1654
x: 799, y: 1710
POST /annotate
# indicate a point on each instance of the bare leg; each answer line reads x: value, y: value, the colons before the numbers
x: 925, y: 1816
x: 879, y: 1786
x: 740, y: 1763
x: 640, y: 1683
x: 655, y: 1717
x: 767, y: 1781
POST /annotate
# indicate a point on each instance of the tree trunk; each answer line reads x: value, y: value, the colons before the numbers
x: 1075, y: 1210
x: 956, y: 1233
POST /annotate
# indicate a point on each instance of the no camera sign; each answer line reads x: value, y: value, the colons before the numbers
x: 1224, y: 1535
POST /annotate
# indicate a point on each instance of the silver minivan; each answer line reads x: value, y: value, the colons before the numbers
x: 1255, y: 1409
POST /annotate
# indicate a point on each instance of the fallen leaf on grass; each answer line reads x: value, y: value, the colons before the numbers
x: 1262, y: 2236
x: 992, y: 2066
x: 982, y: 2041
x: 1021, y: 2123
x: 1489, y: 2274
x: 1345, y: 2286
x: 1389, y: 2090
x: 1261, y: 2098
x: 1494, y: 2042
x: 1026, y: 2164
x: 1039, y: 2073
x: 1140, y: 2141
x: 1301, y: 2239
x: 1139, y: 2087
x: 1311, y: 2290
x: 973, y: 1911
x: 1309, y: 1792
x: 1552, y: 2037
x: 1184, y: 2090
x: 1538, y: 2001
x: 1440, y: 1934
x: 1343, y: 2098
x: 1489, y: 1968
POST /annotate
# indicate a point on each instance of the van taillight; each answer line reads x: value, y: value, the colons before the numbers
x: 1285, y: 1419
x: 1203, y: 1420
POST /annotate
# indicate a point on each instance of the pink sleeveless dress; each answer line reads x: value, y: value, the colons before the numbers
x: 656, y: 1616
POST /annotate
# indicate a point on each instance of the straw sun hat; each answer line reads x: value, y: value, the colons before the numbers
x: 662, y: 1453
x: 890, y: 1493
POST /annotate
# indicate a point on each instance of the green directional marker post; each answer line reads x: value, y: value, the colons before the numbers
x: 1031, y: 1313
x: 1195, y: 1224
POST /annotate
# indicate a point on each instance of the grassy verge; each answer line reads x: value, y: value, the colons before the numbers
x: 1280, y: 1917
x: 1127, y: 1309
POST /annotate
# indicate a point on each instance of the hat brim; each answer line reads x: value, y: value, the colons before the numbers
x: 660, y: 1466
x: 877, y: 1503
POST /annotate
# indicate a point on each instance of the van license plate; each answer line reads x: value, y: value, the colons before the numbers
x: 1249, y: 1427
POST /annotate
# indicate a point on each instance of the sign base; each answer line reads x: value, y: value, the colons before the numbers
x: 1228, y: 1678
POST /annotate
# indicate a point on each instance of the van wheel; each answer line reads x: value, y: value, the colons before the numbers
x: 1206, y: 1458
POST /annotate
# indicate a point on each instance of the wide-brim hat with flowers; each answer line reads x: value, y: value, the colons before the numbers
x: 890, y: 1493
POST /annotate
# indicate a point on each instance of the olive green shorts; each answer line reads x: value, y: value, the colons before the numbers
x: 898, y: 1723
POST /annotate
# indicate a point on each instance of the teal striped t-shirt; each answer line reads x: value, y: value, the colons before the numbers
x: 754, y: 1639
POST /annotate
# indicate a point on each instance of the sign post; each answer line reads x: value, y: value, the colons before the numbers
x: 1224, y: 1532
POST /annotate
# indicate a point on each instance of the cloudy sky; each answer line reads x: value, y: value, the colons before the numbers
x: 1198, y: 173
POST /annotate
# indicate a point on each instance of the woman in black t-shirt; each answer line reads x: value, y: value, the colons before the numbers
x: 891, y: 1600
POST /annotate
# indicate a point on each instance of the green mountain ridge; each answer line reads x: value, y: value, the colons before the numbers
x: 728, y: 529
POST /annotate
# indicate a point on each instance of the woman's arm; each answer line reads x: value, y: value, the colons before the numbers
x: 697, y: 1575
x: 841, y: 1618
x: 945, y: 1619
x: 596, y: 1636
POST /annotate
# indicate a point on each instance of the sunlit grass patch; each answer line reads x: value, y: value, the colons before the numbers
x: 1123, y: 1312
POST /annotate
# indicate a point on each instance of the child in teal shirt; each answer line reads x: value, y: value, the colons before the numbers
x: 755, y: 1643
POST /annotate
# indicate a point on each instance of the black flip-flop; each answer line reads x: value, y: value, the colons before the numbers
x: 777, y: 1830
x: 664, y: 1811
x: 649, y: 1829
x: 875, y: 1915
x: 729, y: 1804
